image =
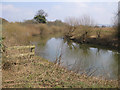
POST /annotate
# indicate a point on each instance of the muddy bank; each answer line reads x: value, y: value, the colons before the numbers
x: 100, y: 42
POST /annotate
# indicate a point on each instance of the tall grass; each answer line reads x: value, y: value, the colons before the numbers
x: 105, y: 33
x: 17, y: 33
x: 21, y: 33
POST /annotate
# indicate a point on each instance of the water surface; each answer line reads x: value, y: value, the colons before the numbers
x: 79, y: 58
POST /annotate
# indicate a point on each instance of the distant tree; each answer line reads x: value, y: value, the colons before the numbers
x: 40, y: 17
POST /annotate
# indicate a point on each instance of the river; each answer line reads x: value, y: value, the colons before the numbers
x: 82, y: 59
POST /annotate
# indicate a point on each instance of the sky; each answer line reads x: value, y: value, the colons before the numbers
x: 101, y: 12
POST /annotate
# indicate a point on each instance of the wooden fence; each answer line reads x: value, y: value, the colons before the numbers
x: 30, y: 53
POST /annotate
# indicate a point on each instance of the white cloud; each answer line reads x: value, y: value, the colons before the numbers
x: 10, y: 8
x: 101, y: 12
x: 82, y: 4
x: 12, y: 13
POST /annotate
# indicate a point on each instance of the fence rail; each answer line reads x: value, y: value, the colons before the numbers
x: 31, y: 53
x: 21, y: 47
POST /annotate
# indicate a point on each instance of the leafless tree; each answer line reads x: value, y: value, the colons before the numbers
x: 42, y: 13
x: 98, y: 32
x: 116, y: 22
x: 86, y: 20
x: 73, y: 23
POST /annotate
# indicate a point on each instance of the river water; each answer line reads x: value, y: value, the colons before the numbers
x: 92, y: 61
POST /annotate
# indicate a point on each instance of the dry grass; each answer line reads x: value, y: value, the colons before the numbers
x: 16, y: 33
x: 39, y: 73
x: 104, y: 32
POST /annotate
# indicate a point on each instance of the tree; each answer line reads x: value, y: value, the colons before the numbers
x: 85, y: 22
x: 40, y: 17
x: 116, y: 23
x: 71, y: 24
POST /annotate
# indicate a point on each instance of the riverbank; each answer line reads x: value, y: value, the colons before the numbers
x: 102, y: 36
x: 37, y: 72
x: 23, y: 34
x: 103, y: 43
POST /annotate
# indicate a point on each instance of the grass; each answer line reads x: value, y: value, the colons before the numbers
x: 106, y: 36
x: 106, y: 32
x: 39, y: 73
x: 23, y: 33
x: 17, y: 33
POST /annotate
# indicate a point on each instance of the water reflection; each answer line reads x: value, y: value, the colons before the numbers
x: 80, y: 58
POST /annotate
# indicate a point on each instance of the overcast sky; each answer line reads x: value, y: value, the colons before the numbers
x: 101, y: 12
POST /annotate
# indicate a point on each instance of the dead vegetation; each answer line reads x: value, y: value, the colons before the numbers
x: 37, y: 72
x: 84, y: 30
x: 17, y: 33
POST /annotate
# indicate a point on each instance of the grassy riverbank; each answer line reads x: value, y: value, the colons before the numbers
x: 106, y: 36
x: 37, y: 72
x: 18, y: 33
x: 23, y: 33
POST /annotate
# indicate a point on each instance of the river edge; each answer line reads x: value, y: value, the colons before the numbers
x: 102, y: 43
x: 37, y: 72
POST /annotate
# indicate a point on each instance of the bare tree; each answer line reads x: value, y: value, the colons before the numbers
x: 73, y: 23
x: 98, y: 32
x: 116, y: 22
x: 42, y: 13
x: 86, y: 20
x: 87, y: 23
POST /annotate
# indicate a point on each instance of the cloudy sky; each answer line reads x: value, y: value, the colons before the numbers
x: 101, y: 12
